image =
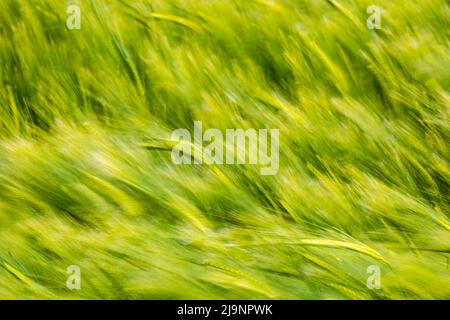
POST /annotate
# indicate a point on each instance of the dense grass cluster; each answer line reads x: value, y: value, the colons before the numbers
x: 86, y: 176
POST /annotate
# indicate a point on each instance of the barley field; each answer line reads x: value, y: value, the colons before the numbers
x: 358, y: 209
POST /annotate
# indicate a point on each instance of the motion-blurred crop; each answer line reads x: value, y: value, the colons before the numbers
x: 86, y: 176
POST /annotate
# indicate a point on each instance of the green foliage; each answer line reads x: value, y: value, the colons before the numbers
x: 364, y: 160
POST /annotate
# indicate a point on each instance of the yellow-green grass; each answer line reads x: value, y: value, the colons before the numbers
x: 364, y: 160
